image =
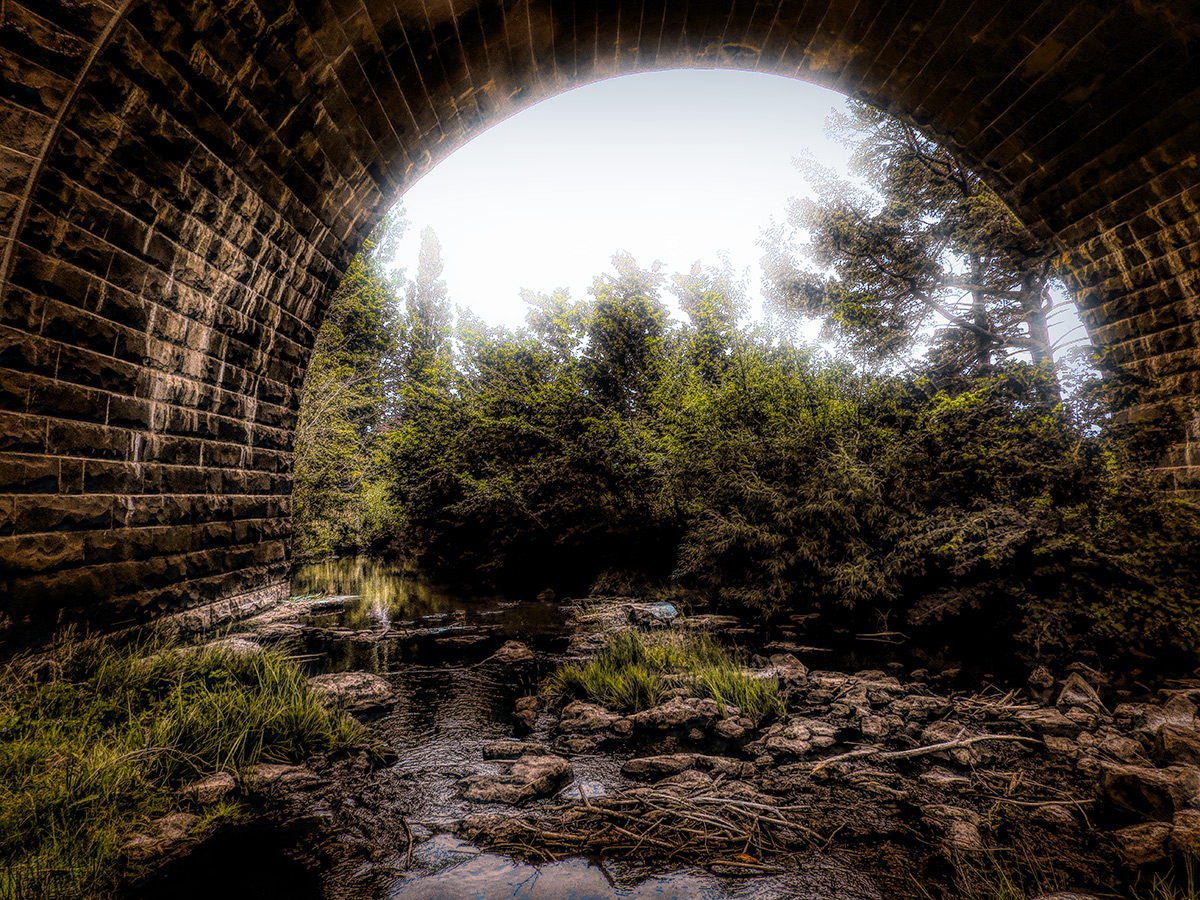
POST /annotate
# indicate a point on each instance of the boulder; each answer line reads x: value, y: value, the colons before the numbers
x: 1077, y: 692
x: 679, y: 713
x: 731, y: 729
x: 353, y: 691
x: 531, y: 775
x: 513, y: 655
x: 1176, y: 744
x: 1140, y: 845
x: 585, y: 718
x: 1154, y: 794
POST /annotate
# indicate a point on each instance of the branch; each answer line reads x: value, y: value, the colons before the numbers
x: 863, y: 752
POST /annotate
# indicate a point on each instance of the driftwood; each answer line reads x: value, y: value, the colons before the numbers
x: 880, y: 753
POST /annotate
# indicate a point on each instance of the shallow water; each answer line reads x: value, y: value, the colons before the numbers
x: 425, y: 641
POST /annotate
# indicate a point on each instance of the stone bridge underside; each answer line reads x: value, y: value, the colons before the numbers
x: 183, y: 183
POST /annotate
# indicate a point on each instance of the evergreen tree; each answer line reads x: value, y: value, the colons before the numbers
x: 928, y: 244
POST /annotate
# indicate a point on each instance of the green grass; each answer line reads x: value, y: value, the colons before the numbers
x: 635, y: 671
x: 96, y: 738
x: 1171, y: 885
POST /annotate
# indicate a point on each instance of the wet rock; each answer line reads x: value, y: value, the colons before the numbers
x: 784, y: 667
x: 677, y: 714
x: 1151, y: 793
x: 211, y: 789
x: 531, y: 775
x: 586, y: 643
x: 511, y: 749
x: 513, y: 655
x: 266, y: 776
x: 1049, y: 721
x: 709, y: 622
x: 1176, y: 744
x: 959, y: 827
x: 526, y: 715
x: 353, y: 691
x: 160, y: 836
x: 576, y: 744
x: 586, y: 718
x: 1140, y: 845
x: 652, y: 615
x: 652, y: 768
x: 1077, y: 692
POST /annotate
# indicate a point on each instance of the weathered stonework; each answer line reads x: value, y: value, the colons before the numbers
x: 183, y: 183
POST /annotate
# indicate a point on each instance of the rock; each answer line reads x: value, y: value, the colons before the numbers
x: 730, y: 729
x: 1123, y: 748
x: 513, y: 655
x: 920, y: 706
x: 211, y: 789
x: 546, y: 595
x: 240, y: 647
x: 1040, y: 679
x: 652, y: 615
x: 1147, y: 718
x: 1077, y: 692
x: 798, y: 737
x: 576, y: 744
x: 945, y: 779
x: 1176, y: 744
x: 1048, y: 721
x: 526, y: 715
x: 678, y: 713
x: 511, y: 749
x: 652, y: 768
x: 531, y: 775
x: 790, y: 672
x: 585, y: 718
x: 586, y: 643
x: 709, y: 622
x: 1185, y: 833
x: 1066, y: 895
x: 942, y: 732
x: 1140, y: 845
x: 1151, y: 793
x: 959, y: 826
x: 352, y: 691
x: 1061, y: 745
x: 265, y: 776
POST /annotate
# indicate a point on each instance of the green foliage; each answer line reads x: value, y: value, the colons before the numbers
x: 95, y: 739
x: 339, y: 502
x: 928, y: 244
x: 635, y: 671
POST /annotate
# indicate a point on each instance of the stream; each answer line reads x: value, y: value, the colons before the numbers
x: 448, y: 710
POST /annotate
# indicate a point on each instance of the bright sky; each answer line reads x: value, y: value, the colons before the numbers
x: 675, y: 166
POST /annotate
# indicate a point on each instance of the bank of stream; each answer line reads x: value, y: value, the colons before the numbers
x: 910, y: 777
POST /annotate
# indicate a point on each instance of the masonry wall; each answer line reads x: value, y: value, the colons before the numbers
x: 183, y: 182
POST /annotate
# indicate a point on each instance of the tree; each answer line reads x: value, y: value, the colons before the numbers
x: 422, y: 365
x: 626, y: 336
x: 713, y: 301
x: 338, y: 502
x: 927, y: 244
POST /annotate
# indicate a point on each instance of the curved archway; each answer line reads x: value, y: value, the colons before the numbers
x: 184, y: 181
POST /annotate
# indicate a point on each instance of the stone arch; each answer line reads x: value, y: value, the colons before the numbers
x: 184, y: 182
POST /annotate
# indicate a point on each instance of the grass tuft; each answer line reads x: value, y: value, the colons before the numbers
x: 95, y: 739
x: 635, y: 671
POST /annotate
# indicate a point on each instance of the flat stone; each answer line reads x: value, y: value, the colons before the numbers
x: 652, y: 768
x: 265, y: 776
x: 1185, y: 833
x: 173, y: 826
x: 353, y: 691
x: 959, y: 826
x: 1049, y: 721
x: 917, y: 707
x: 530, y: 776
x: 511, y: 749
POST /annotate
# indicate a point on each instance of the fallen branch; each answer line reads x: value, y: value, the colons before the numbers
x: 880, y: 753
